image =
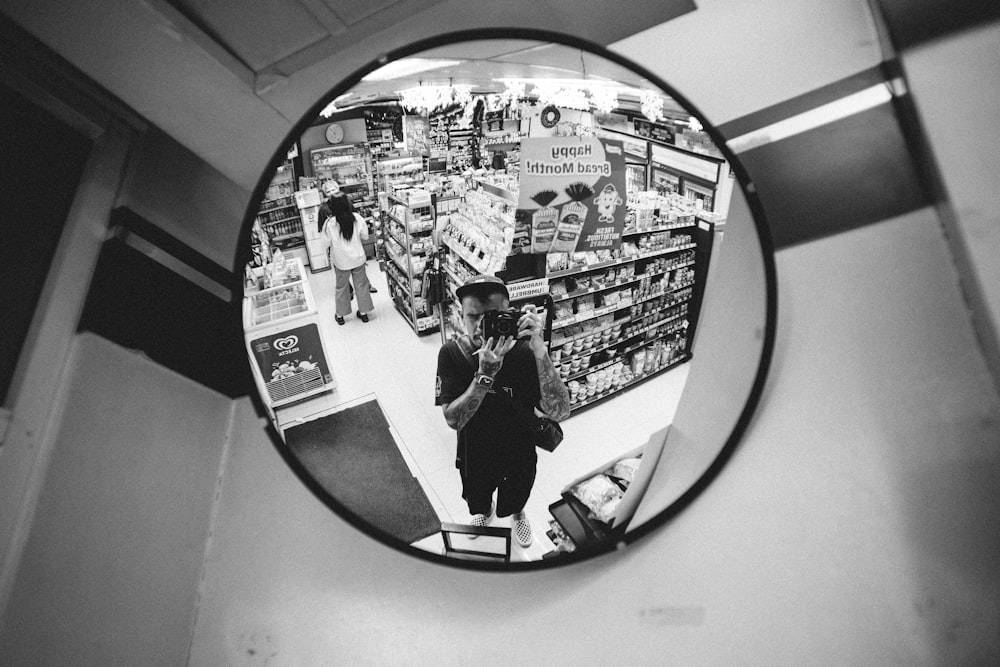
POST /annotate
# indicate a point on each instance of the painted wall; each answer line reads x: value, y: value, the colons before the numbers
x: 189, y: 199
x: 315, y: 137
x: 957, y: 92
x: 111, y: 569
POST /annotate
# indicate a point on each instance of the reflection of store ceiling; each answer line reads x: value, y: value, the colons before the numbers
x: 462, y: 65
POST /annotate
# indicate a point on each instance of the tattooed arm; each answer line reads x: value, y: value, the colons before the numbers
x: 555, y: 396
x: 458, y: 413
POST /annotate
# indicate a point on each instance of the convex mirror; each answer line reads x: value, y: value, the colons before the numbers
x: 604, y: 202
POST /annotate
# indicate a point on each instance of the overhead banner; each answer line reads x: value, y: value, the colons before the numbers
x: 571, y: 194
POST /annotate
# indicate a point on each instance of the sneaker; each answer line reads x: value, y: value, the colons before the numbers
x: 340, y: 320
x: 522, y: 529
x: 363, y: 316
x: 481, y: 521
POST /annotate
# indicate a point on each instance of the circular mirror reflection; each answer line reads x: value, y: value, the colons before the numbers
x: 507, y: 302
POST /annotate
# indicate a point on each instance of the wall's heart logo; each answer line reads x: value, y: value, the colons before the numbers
x: 286, y: 343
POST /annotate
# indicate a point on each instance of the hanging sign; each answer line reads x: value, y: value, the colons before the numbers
x: 655, y: 131
x: 416, y: 131
x: 572, y: 193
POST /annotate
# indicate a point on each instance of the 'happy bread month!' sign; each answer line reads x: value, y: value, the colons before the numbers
x: 572, y: 195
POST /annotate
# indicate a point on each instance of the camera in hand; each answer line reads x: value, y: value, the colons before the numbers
x: 497, y: 323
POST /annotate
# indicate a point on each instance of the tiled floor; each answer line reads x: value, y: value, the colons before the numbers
x: 384, y: 358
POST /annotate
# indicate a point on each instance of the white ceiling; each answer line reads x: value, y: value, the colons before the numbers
x: 229, y: 78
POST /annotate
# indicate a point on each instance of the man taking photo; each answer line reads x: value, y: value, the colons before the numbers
x: 489, y: 390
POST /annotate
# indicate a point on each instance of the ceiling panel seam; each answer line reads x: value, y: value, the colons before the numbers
x: 200, y: 38
x: 324, y: 15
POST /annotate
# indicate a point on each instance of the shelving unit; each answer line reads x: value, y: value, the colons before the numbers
x: 279, y: 219
x: 624, y: 320
x: 380, y: 141
x: 407, y: 231
x: 351, y: 167
x: 393, y: 173
x: 283, y: 183
x: 478, y: 237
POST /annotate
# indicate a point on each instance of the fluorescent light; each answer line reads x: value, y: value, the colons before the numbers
x: 585, y: 84
x: 809, y: 120
x: 398, y: 69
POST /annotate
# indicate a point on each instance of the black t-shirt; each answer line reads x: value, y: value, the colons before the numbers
x: 498, y: 425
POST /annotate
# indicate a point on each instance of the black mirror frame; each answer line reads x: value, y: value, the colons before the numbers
x: 767, y: 253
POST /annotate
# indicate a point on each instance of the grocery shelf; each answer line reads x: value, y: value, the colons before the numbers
x: 619, y: 262
x: 619, y: 283
x: 634, y: 381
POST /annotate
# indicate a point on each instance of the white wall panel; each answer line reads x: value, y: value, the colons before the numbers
x: 956, y: 87
x: 111, y: 569
x: 730, y: 58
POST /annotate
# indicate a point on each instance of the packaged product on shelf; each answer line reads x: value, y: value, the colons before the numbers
x: 556, y: 261
x: 638, y: 361
x: 558, y: 537
x: 557, y: 288
x: 522, y: 242
x: 626, y: 469
x: 582, y: 282
x: 600, y: 495
x: 563, y: 310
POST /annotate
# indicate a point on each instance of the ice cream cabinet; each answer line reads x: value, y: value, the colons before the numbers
x: 284, y: 342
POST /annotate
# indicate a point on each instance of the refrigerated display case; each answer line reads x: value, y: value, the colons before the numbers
x: 351, y: 167
x: 283, y: 339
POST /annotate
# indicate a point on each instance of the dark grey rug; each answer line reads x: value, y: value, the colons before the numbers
x: 353, y: 456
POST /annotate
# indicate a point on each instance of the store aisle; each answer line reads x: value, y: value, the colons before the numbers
x: 386, y: 358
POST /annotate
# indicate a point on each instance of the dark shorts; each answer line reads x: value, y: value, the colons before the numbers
x: 510, y: 473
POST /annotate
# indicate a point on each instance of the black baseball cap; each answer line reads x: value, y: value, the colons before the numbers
x: 482, y: 284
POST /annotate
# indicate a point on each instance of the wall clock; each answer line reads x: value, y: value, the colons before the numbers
x: 334, y: 133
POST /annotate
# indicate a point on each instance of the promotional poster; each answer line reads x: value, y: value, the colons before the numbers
x: 572, y: 195
x: 290, y: 353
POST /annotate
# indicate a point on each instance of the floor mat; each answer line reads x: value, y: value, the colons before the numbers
x: 353, y: 456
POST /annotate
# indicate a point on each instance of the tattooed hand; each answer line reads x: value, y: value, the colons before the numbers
x: 491, y: 355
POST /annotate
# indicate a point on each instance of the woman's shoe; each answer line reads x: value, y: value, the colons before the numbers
x: 373, y: 290
x: 340, y: 320
x: 363, y: 316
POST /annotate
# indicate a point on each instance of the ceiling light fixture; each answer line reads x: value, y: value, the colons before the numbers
x: 399, y: 69
x: 428, y: 99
